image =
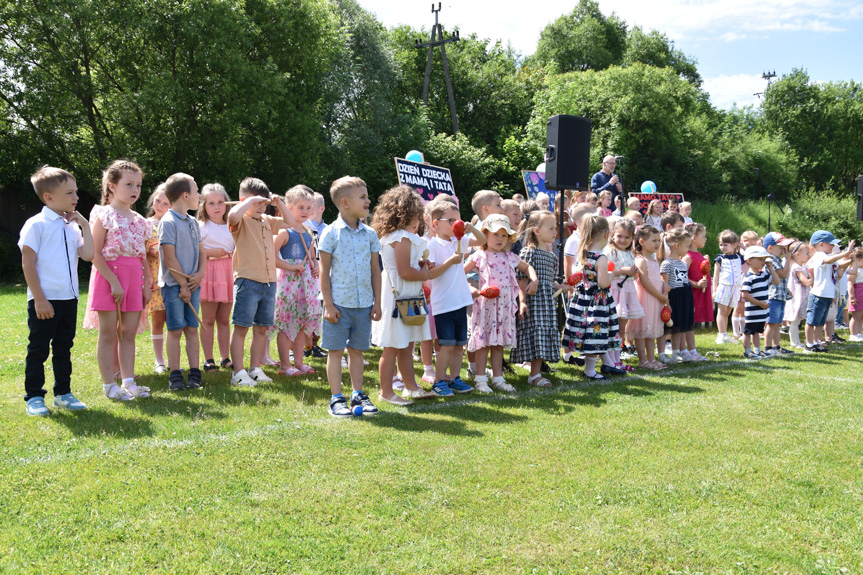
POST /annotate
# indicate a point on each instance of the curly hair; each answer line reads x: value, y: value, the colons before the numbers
x: 396, y: 209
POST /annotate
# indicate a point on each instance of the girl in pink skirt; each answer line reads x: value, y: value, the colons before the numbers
x: 121, y: 286
x: 298, y: 309
x: 217, y: 289
x: 623, y: 290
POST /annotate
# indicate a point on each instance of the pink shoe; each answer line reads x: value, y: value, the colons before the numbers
x: 429, y: 379
x: 291, y: 371
x: 306, y: 369
x: 623, y: 366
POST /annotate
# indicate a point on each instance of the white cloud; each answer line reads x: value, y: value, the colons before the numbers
x: 729, y: 20
x: 734, y: 18
x: 739, y: 89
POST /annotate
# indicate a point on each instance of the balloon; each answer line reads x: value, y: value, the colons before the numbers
x: 415, y: 156
x: 648, y: 187
x: 541, y: 168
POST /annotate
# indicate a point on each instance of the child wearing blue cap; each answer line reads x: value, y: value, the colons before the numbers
x: 823, y: 266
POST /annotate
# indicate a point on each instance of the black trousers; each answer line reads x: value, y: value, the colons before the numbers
x: 57, y: 335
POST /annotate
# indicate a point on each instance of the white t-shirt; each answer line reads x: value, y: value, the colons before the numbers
x: 824, y: 276
x: 215, y: 235
x: 570, y: 248
x: 449, y: 291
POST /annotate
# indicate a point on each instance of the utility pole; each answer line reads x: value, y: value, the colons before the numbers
x: 768, y: 75
x: 437, y: 39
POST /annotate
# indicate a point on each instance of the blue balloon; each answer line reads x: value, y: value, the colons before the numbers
x: 415, y: 156
x: 648, y: 187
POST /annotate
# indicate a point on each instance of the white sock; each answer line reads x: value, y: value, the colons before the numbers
x: 471, y: 366
x: 129, y: 383
x: 794, y: 332
x: 607, y: 359
x: 590, y: 365
x: 566, y: 356
x: 735, y: 325
x: 428, y: 370
x: 158, y: 348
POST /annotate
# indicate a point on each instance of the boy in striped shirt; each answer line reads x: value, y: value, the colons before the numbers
x: 755, y: 290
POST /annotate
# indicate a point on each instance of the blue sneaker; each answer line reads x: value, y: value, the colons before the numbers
x: 459, y: 386
x: 68, y: 401
x: 36, y: 407
x: 441, y: 388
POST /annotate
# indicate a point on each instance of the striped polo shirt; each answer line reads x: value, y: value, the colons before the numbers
x: 757, y: 284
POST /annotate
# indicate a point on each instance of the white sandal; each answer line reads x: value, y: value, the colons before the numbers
x: 117, y: 394
x: 539, y: 381
x: 136, y: 390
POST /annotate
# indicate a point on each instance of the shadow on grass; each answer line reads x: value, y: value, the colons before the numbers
x: 93, y: 421
x: 403, y: 422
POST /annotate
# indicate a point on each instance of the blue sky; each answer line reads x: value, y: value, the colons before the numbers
x: 734, y: 41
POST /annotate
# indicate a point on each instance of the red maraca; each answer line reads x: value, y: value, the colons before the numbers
x: 458, y: 232
x: 705, y: 271
x: 665, y: 316
x: 427, y: 292
x: 490, y: 292
x: 611, y: 266
x: 572, y: 280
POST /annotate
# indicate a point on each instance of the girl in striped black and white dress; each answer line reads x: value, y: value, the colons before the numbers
x: 591, y: 321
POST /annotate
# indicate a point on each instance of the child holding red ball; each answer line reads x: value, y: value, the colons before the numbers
x: 494, y: 306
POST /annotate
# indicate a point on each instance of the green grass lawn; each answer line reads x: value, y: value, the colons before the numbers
x: 724, y: 467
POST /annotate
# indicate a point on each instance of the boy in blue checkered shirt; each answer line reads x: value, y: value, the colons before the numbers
x: 776, y: 245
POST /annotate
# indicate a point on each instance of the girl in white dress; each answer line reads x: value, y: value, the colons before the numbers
x: 397, y: 219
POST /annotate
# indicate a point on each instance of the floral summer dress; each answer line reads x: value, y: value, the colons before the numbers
x: 297, y: 305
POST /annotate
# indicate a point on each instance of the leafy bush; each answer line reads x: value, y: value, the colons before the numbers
x: 472, y: 167
x: 822, y: 210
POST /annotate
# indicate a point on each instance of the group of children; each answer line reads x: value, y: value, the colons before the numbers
x: 415, y: 274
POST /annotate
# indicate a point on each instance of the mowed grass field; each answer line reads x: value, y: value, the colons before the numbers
x: 722, y: 467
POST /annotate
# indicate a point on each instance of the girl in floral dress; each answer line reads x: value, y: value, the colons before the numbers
x: 493, y: 318
x: 591, y: 322
x: 157, y: 205
x: 298, y: 310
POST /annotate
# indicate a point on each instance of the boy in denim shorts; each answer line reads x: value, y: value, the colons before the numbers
x: 181, y: 270
x: 825, y: 276
x: 254, y: 266
x: 352, y: 293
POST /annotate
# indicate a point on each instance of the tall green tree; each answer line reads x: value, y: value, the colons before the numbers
x: 655, y: 49
x: 212, y: 89
x: 584, y: 39
x: 821, y: 125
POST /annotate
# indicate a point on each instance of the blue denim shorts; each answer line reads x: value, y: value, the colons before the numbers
x: 178, y: 315
x: 451, y: 327
x: 254, y: 303
x: 354, y: 329
x: 816, y: 310
x: 777, y: 310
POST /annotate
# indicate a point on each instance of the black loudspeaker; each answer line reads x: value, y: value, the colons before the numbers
x: 859, y: 198
x: 567, y: 153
